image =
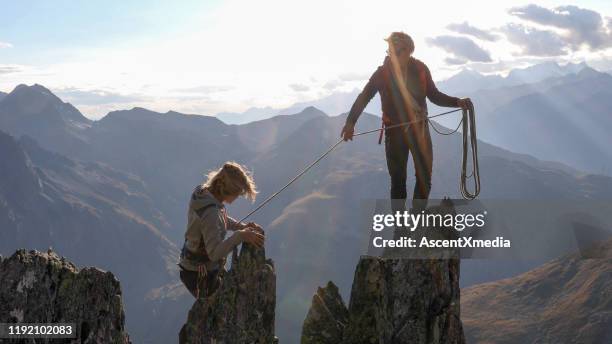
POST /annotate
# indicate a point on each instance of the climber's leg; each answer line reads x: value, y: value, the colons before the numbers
x: 396, y: 151
x: 422, y: 156
x: 192, y: 282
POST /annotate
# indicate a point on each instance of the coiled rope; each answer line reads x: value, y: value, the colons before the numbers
x: 469, y: 125
x: 468, y: 120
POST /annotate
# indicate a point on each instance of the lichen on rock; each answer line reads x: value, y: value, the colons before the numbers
x: 392, y: 301
x: 327, y: 317
x: 405, y: 301
x: 242, y: 310
x: 37, y: 287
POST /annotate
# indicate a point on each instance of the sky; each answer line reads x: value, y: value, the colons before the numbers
x: 206, y: 57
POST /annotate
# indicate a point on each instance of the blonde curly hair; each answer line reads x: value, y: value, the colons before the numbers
x: 230, y: 180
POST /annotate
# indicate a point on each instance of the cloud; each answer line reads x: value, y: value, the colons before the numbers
x: 333, y: 84
x: 5, y: 45
x: 299, y: 87
x: 8, y: 69
x: 535, y: 42
x: 354, y: 76
x: 95, y: 97
x: 461, y: 48
x: 343, y: 79
x: 468, y: 29
x: 581, y: 26
x: 455, y: 61
x: 205, y: 89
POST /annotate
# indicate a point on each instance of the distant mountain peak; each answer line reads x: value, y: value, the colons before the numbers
x: 544, y: 70
x: 250, y: 115
x: 589, y: 72
x: 469, y: 80
x: 33, y: 91
x: 142, y: 110
x: 468, y: 72
x: 575, y: 67
x: 311, y: 110
x: 41, y: 88
x: 40, y: 102
x: 546, y: 63
x: 133, y: 113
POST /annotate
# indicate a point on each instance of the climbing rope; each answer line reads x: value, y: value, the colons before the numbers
x: 433, y: 126
x: 469, y: 123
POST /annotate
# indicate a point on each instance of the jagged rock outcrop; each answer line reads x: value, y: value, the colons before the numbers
x: 38, y: 287
x: 405, y: 301
x: 393, y: 301
x: 326, y: 318
x: 242, y: 310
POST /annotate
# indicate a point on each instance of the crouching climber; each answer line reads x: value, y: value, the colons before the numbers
x: 206, y: 245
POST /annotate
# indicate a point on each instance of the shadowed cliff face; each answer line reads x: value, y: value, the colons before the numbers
x: 392, y: 301
x: 40, y: 287
x: 242, y: 310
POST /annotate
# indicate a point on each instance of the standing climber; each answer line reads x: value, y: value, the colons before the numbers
x: 403, y: 83
x: 206, y: 246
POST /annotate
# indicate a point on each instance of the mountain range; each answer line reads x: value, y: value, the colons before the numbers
x: 560, y: 118
x: 567, y: 300
x: 464, y: 82
x: 468, y: 80
x: 546, y: 103
x: 91, y: 212
x: 126, y: 180
x: 566, y: 119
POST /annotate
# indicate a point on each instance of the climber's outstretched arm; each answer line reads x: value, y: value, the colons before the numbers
x: 368, y: 92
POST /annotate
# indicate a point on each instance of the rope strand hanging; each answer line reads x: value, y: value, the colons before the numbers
x: 469, y: 125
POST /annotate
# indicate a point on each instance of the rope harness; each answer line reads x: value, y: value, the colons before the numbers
x: 468, y: 120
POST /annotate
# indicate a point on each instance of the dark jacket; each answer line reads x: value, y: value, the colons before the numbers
x: 419, y: 84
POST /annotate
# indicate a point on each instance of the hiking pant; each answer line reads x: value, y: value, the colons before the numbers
x: 399, y: 143
x: 196, y: 284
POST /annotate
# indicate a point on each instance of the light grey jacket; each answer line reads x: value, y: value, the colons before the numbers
x: 207, y: 224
